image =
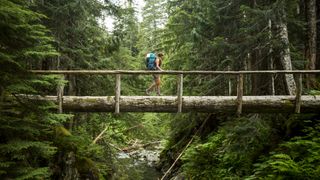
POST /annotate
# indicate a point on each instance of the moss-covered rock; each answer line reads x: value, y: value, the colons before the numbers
x: 87, y: 169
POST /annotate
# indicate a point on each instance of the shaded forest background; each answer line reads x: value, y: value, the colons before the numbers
x: 38, y: 143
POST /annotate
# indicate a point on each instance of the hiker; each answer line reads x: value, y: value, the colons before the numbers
x: 154, y: 63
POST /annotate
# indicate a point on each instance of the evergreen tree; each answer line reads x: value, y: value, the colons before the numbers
x: 26, y: 128
x: 234, y: 35
x: 154, y: 19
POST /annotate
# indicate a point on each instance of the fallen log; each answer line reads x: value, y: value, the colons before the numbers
x: 250, y: 104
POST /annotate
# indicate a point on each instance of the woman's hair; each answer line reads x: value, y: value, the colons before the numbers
x: 160, y: 54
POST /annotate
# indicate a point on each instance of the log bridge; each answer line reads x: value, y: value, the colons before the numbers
x: 239, y: 104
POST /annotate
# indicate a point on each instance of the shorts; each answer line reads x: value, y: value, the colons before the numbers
x: 156, y: 76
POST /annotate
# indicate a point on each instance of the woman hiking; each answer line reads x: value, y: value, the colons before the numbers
x: 156, y: 77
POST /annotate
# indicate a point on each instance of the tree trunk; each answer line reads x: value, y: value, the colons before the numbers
x: 318, y: 37
x: 271, y: 60
x: 254, y: 78
x: 285, y: 58
x: 250, y: 104
x: 312, y: 41
x: 72, y: 85
x: 69, y: 172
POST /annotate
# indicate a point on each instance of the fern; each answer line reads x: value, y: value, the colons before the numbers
x: 298, y: 158
x: 229, y: 152
x: 36, y: 173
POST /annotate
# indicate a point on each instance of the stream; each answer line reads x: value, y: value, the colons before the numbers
x: 140, y: 164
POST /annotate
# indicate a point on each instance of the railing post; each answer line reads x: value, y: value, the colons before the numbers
x: 298, y: 94
x: 180, y: 92
x: 60, y: 90
x: 239, y: 94
x: 273, y: 90
x: 117, y: 96
x: 230, y: 87
x: 229, y: 83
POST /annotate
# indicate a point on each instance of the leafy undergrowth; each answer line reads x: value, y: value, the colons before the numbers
x: 229, y: 152
x: 298, y: 158
x: 254, y: 147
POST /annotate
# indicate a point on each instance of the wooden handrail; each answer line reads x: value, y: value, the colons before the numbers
x: 180, y: 75
x: 173, y: 72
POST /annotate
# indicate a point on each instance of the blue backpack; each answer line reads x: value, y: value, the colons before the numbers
x: 151, y: 61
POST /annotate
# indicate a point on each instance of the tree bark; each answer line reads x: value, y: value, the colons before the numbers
x: 285, y: 57
x: 72, y: 85
x: 312, y: 41
x: 271, y: 60
x: 250, y: 104
x: 318, y: 37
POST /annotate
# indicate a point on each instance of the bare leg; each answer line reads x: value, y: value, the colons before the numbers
x: 158, y: 83
x: 152, y: 87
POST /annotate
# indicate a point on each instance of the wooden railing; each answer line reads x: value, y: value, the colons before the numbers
x: 180, y: 75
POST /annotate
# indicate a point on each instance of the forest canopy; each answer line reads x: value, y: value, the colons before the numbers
x: 38, y: 140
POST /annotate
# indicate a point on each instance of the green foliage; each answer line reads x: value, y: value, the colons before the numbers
x: 32, y: 136
x: 295, y: 159
x: 38, y: 173
x: 314, y: 92
x: 229, y: 152
x: 235, y: 35
x: 156, y: 126
x: 122, y: 131
x: 199, y: 35
x: 26, y: 145
x: 85, y: 165
x: 23, y: 36
x: 91, y: 160
x: 151, y: 28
